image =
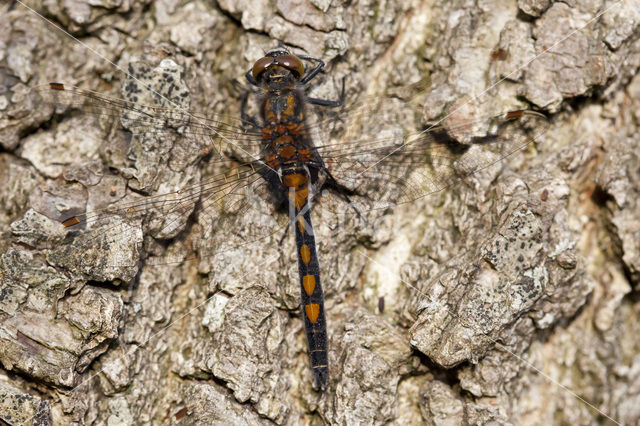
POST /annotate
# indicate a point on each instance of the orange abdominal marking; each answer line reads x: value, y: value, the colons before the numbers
x: 301, y: 224
x: 313, y: 311
x: 309, y: 284
x: 305, y: 255
x: 301, y: 197
x: 294, y: 180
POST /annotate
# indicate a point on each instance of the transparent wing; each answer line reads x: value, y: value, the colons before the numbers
x: 202, y: 135
x: 228, y: 182
x: 401, y: 167
x: 100, y: 236
x: 366, y: 149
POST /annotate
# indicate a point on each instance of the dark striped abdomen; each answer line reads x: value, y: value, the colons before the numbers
x: 310, y: 289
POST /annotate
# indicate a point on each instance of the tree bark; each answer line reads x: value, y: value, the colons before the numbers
x: 510, y: 296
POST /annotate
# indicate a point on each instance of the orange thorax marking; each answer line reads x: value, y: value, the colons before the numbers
x: 269, y: 115
x: 286, y: 152
x: 267, y: 132
x: 286, y: 114
x: 272, y: 161
x: 304, y: 155
x: 295, y: 128
x: 291, y: 106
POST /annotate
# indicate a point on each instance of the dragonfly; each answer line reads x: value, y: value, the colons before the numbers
x: 283, y: 158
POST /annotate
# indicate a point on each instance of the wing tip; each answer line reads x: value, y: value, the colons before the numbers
x: 71, y: 221
x: 515, y: 114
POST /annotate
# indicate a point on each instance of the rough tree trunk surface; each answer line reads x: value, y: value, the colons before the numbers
x: 509, y: 297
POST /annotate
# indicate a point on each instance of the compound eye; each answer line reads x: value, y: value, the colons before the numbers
x: 292, y: 63
x: 261, y: 66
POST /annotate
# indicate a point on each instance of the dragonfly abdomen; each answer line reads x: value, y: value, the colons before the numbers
x: 297, y: 184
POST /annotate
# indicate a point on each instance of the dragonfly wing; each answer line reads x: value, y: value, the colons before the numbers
x: 173, y: 156
x: 248, y: 199
x: 398, y: 167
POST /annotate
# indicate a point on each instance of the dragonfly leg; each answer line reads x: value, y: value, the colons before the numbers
x: 333, y: 185
x: 246, y: 119
x: 326, y: 102
x: 284, y: 234
x: 250, y: 79
x: 314, y: 71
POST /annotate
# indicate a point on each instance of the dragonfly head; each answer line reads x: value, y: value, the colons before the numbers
x: 277, y: 66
